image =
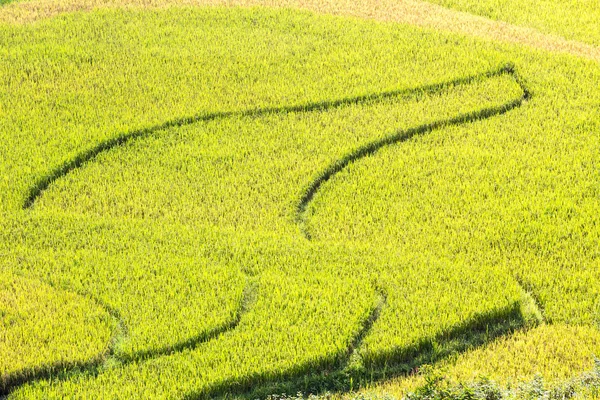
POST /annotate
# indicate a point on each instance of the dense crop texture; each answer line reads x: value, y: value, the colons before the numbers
x: 572, y: 19
x: 171, y: 167
x: 44, y: 329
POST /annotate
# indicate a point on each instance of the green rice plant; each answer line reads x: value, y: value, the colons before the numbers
x: 572, y: 19
x: 555, y: 353
x: 298, y: 322
x: 305, y: 202
x: 431, y: 302
x: 164, y: 300
x: 584, y: 386
x: 45, y: 329
x: 67, y: 88
x: 516, y: 193
x: 249, y: 172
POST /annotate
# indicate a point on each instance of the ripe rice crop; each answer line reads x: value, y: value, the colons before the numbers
x: 230, y: 202
x: 575, y: 20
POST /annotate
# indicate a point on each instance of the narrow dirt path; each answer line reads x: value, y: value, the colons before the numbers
x: 414, y: 12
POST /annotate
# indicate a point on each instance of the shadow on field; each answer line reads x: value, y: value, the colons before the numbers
x: 404, y: 135
x: 65, y: 370
x: 88, y: 155
x: 11, y: 381
x: 346, y: 371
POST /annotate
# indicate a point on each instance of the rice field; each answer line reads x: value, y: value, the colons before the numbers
x: 571, y: 19
x: 229, y: 200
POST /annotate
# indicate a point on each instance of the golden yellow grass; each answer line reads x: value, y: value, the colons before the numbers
x: 414, y: 12
x: 555, y: 352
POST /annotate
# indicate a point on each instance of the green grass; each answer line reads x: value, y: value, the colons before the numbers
x: 572, y: 19
x: 66, y: 329
x: 250, y: 201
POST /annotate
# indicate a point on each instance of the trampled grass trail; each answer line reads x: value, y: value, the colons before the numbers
x: 414, y: 12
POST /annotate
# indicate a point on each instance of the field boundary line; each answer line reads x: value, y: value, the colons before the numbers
x: 48, y: 371
x: 82, y: 158
x: 246, y: 302
x: 63, y: 371
x: 404, y: 135
x: 532, y: 299
x: 367, y: 325
x: 335, y: 374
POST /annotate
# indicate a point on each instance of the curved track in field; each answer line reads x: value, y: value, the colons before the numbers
x: 404, y: 135
x: 412, y: 12
x: 43, y: 183
x: 63, y: 370
x: 343, y: 359
x: 44, y: 371
x: 248, y: 298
